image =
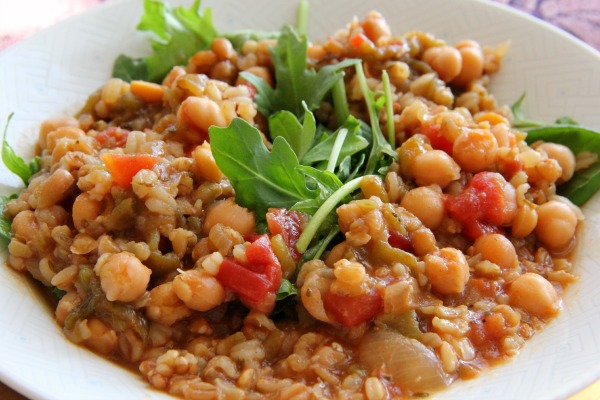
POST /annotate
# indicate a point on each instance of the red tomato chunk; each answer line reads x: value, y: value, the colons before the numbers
x: 288, y: 224
x: 353, y: 310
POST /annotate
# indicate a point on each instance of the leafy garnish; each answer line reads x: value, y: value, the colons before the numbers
x: 5, y: 222
x: 566, y: 131
x: 295, y: 82
x: 13, y: 162
x: 584, y: 183
x: 176, y: 34
x: 261, y: 178
x: 239, y: 38
x: 379, y: 145
x: 299, y: 135
x: 353, y: 144
x: 286, y: 289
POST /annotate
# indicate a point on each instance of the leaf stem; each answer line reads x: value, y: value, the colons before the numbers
x: 313, y: 225
x: 389, y: 108
x: 302, y: 17
x: 340, y: 101
x: 336, y: 149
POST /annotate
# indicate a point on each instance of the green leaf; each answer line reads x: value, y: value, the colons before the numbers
x: 295, y: 82
x: 13, y: 162
x: 261, y: 178
x: 584, y: 183
x: 379, y: 146
x: 287, y: 289
x: 353, y: 144
x: 5, y: 222
x: 176, y: 33
x: 327, y: 183
x: 239, y: 38
x: 300, y: 136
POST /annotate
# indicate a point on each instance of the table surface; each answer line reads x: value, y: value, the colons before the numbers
x: 578, y: 17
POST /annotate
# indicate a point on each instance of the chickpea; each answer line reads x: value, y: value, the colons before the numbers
x: 313, y: 286
x: 424, y: 241
x: 85, y: 209
x: 556, y: 226
x: 475, y: 150
x: 525, y: 221
x: 563, y: 155
x: 123, y: 277
x: 445, y: 60
x: 434, y: 167
x: 534, y: 294
x: 102, y: 338
x: 50, y: 125
x: 472, y: 62
x: 201, y: 112
x: 261, y: 72
x: 164, y: 306
x: 427, y: 203
x: 204, y: 163
x: 496, y: 248
x: 375, y: 26
x: 199, y: 290
x: 230, y: 214
x: 54, y: 189
x: 66, y: 304
x: 223, y: 49
x: 447, y: 271
x: 25, y: 225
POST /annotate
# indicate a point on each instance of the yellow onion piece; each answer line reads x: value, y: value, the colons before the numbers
x: 411, y: 364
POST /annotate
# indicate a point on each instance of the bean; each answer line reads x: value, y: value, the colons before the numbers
x: 556, y: 226
x: 230, y: 214
x: 54, y: 189
x: 534, y: 294
x: 222, y: 48
x: 85, y: 209
x: 434, y: 167
x: 199, y: 290
x: 427, y: 203
x: 472, y: 62
x: 375, y: 26
x: 201, y: 112
x: 498, y: 249
x: 204, y: 163
x: 563, y: 155
x: 123, y: 277
x: 447, y: 271
x: 475, y: 150
x: 446, y: 61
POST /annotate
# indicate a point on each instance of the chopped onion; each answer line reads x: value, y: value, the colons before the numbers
x: 410, y: 363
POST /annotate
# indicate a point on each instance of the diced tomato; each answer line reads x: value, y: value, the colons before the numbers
x: 123, y: 167
x: 257, y: 281
x: 437, y: 140
x: 509, y: 168
x: 357, y: 40
x: 112, y: 137
x: 288, y: 224
x: 262, y: 260
x: 248, y: 285
x: 480, y: 208
x: 353, y: 310
x: 400, y: 241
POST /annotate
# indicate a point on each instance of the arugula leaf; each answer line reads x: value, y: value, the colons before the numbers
x: 261, y: 178
x: 5, y: 223
x: 525, y: 124
x: 175, y: 35
x: 584, y: 183
x: 299, y: 136
x: 238, y: 38
x: 353, y: 144
x: 287, y: 289
x: 327, y: 183
x: 295, y: 82
x: 13, y: 162
x: 314, y: 225
x: 379, y: 146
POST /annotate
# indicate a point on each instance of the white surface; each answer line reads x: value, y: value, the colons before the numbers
x: 52, y: 73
